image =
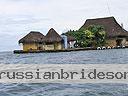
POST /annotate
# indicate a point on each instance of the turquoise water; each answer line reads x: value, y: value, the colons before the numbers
x: 114, y: 56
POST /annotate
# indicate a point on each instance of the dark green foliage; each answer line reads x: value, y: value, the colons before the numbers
x: 92, y: 36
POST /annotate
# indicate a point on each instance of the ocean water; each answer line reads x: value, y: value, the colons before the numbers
x: 113, y: 56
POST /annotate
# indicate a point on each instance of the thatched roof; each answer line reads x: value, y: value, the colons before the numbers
x: 70, y: 38
x: 112, y: 28
x: 53, y: 36
x: 32, y: 37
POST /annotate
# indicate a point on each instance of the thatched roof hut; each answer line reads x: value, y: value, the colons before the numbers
x: 112, y: 28
x: 33, y: 37
x: 53, y: 36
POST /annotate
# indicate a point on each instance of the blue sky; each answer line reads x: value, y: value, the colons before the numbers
x: 19, y: 17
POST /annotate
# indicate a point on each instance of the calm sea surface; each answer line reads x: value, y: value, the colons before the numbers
x: 114, y: 56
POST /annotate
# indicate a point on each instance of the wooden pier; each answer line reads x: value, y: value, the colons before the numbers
x: 50, y: 51
x: 64, y: 50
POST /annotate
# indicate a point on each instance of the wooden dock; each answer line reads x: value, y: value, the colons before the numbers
x: 63, y: 50
x: 50, y: 51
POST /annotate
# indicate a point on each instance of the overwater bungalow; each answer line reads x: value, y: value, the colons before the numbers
x: 32, y: 41
x: 35, y: 41
x: 116, y: 35
x: 53, y: 41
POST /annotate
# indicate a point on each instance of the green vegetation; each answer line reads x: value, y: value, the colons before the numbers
x: 92, y: 36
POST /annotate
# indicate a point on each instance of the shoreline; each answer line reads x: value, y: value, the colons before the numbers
x: 63, y: 50
x: 50, y: 51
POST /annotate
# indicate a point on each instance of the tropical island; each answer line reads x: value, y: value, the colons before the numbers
x: 99, y: 33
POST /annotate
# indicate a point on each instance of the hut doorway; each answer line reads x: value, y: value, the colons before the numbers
x: 119, y: 42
